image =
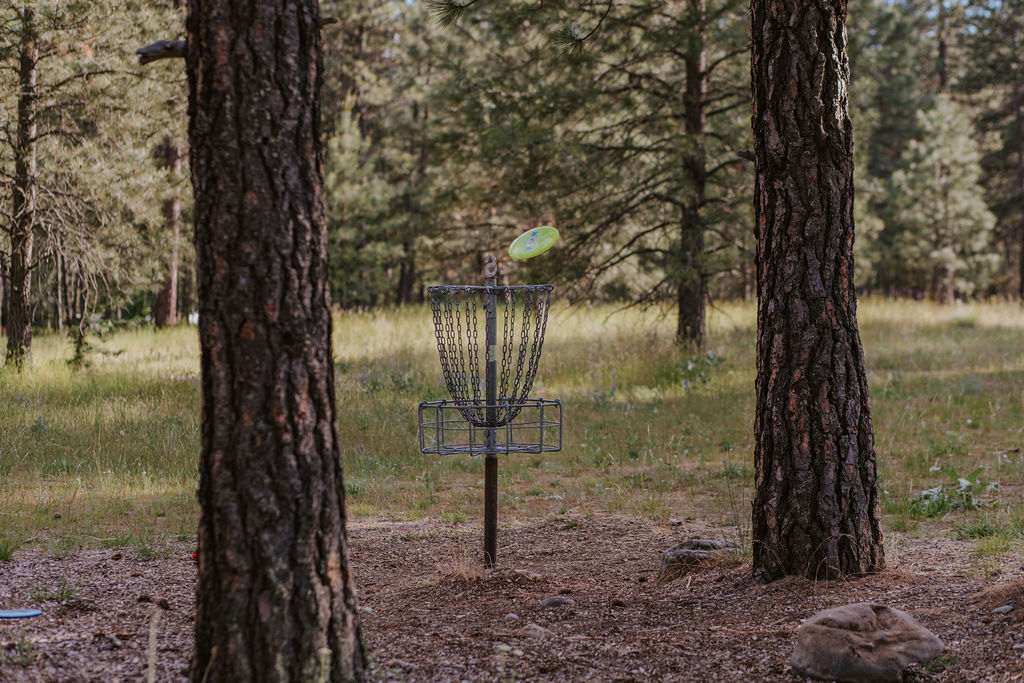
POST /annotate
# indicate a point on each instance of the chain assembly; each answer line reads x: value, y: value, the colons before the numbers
x: 458, y: 311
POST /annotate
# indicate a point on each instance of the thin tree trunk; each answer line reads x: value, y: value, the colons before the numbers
x: 942, y: 67
x: 816, y: 510
x: 19, y: 324
x: 1018, y: 91
x: 692, y: 283
x: 275, y: 597
x: 165, y: 311
x: 942, y: 274
x: 3, y: 294
x: 68, y: 313
x: 59, y: 265
x: 406, y: 274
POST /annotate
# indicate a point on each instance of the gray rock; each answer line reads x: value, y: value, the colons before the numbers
x: 708, y: 544
x: 536, y: 632
x: 1003, y: 610
x: 511, y: 616
x: 679, y: 560
x: 861, y: 642
x: 557, y: 601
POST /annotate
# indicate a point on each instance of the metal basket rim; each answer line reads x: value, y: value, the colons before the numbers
x: 442, y: 289
x: 448, y: 403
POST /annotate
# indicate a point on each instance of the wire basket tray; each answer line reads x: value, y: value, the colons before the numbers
x: 537, y: 428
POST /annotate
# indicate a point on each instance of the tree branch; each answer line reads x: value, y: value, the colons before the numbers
x: 161, y: 49
x: 174, y: 49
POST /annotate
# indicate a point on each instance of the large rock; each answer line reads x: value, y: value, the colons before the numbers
x: 861, y: 642
x: 679, y: 560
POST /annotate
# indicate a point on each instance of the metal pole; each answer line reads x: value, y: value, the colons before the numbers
x: 490, y: 434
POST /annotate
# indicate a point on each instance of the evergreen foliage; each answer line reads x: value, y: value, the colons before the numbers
x: 90, y: 130
x: 943, y: 232
x: 625, y: 125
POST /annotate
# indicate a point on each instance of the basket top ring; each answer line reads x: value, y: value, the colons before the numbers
x: 441, y: 289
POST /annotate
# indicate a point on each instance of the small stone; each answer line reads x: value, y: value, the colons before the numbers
x: 511, y: 616
x: 672, y: 521
x: 1019, y: 646
x: 1003, y: 610
x: 861, y: 642
x: 557, y: 601
x: 536, y: 632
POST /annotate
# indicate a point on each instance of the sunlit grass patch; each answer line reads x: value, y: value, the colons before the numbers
x: 107, y: 456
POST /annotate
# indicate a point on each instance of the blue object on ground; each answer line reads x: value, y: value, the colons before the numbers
x: 19, y: 613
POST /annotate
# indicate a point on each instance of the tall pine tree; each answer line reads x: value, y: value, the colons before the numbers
x: 943, y: 244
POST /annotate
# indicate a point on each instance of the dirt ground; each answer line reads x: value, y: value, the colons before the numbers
x: 430, y: 612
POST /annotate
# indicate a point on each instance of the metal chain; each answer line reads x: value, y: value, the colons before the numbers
x: 506, y: 351
x: 459, y: 349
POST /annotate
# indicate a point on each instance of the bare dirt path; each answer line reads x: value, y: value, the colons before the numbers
x: 431, y: 613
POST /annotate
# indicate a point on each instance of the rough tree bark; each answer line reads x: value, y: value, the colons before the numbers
x: 1018, y: 98
x: 165, y: 311
x: 816, y: 509
x: 692, y: 283
x: 19, y: 321
x: 275, y: 597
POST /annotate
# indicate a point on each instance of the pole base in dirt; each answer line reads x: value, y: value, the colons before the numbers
x: 490, y: 510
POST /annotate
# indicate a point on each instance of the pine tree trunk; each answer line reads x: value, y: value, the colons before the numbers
x: 59, y: 289
x: 692, y: 283
x: 406, y: 274
x: 691, y: 328
x: 19, y: 323
x: 275, y: 597
x: 3, y: 295
x: 1019, y: 98
x: 816, y: 509
x: 165, y: 311
x: 942, y: 65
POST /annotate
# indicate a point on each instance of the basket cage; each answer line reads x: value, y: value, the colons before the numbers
x: 459, y: 313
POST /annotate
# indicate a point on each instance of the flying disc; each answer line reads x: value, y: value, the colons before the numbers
x: 533, y: 242
x: 19, y: 613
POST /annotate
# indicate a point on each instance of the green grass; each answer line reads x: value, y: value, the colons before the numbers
x: 107, y: 456
x: 20, y: 652
x: 60, y: 593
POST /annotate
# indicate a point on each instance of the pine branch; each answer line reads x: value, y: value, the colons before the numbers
x: 175, y: 49
x: 449, y: 12
x: 571, y: 38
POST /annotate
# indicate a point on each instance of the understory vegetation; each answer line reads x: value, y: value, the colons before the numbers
x: 106, y: 455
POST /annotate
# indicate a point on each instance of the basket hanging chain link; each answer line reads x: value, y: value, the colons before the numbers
x: 507, y: 347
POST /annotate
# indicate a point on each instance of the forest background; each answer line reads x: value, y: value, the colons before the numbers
x: 443, y: 142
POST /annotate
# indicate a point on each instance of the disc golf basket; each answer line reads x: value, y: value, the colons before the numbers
x: 489, y: 378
